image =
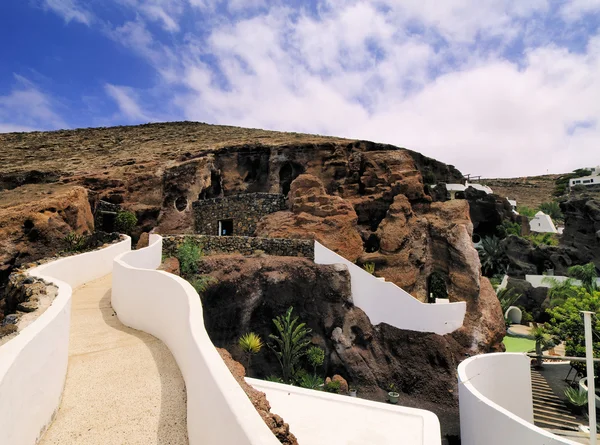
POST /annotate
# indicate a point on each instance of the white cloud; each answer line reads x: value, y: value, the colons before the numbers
x: 27, y: 107
x: 69, y: 10
x: 444, y: 78
x: 127, y: 102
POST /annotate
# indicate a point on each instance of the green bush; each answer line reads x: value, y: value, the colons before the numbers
x: 526, y: 317
x: 552, y: 209
x: 125, y: 222
x: 316, y: 357
x: 526, y: 211
x: 546, y: 239
x: 202, y: 282
x: 508, y: 228
x: 189, y: 254
x: 74, y: 242
x: 333, y: 386
x: 492, y: 256
x: 369, y: 267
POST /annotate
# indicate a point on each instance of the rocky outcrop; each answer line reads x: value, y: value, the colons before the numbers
x: 280, y: 429
x: 533, y: 299
x: 488, y: 211
x: 250, y: 292
x: 314, y: 214
x: 582, y: 230
x: 34, y: 220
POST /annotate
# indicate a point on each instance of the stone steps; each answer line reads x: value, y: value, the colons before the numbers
x: 549, y: 411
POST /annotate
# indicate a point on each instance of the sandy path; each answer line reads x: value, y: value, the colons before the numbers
x: 123, y: 386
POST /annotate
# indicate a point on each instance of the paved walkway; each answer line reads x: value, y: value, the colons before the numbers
x: 123, y: 386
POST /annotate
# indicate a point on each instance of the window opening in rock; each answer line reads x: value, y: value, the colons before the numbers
x: 226, y: 227
x: 436, y: 287
x: 108, y: 221
x: 181, y: 203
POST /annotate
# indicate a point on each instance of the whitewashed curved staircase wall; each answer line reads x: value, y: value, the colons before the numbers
x: 384, y: 302
x: 33, y: 365
x: 496, y: 404
x: 168, y: 307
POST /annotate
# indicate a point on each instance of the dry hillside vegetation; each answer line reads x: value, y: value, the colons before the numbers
x: 528, y: 191
x: 78, y: 151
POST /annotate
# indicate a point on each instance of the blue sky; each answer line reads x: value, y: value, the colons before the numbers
x: 497, y: 88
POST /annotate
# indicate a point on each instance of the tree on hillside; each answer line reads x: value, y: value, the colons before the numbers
x: 552, y: 209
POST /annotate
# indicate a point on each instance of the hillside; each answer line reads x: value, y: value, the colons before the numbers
x: 529, y: 191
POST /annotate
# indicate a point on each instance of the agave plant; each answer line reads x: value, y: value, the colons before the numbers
x: 290, y: 343
x: 576, y: 397
x: 251, y: 344
x: 311, y: 381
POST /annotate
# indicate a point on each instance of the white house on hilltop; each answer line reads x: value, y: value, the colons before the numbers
x: 542, y: 223
x: 592, y: 179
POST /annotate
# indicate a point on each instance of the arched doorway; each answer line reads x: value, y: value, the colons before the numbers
x: 436, y: 286
x: 287, y: 173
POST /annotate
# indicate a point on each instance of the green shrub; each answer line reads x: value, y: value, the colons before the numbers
x: 576, y: 397
x: 526, y: 317
x: 546, y: 239
x: 333, y: 386
x: 508, y: 228
x: 202, y: 282
x: 311, y: 381
x: 290, y: 343
x: 125, y: 222
x: 251, y: 344
x: 74, y: 242
x: 552, y: 209
x: 369, y: 267
x: 526, y: 211
x: 274, y: 378
x: 188, y: 254
x: 492, y: 256
x: 316, y: 357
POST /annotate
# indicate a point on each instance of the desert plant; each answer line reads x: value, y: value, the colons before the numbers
x: 576, y: 397
x: 369, y: 267
x: 202, y: 282
x: 188, y: 254
x: 274, y: 378
x: 333, y: 386
x: 316, y: 357
x: 290, y: 343
x: 507, y: 298
x: 251, y: 344
x: 125, y: 222
x: 74, y: 242
x: 311, y: 381
x: 492, y: 256
x: 552, y: 209
x: 586, y: 274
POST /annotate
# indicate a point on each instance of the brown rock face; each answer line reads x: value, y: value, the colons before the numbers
x: 316, y: 215
x: 280, y: 429
x: 250, y: 292
x: 34, y: 219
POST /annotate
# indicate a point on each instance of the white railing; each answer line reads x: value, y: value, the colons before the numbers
x: 33, y: 365
x: 168, y: 307
x: 384, y: 302
x: 496, y: 403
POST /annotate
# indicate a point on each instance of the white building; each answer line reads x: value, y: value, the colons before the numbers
x: 542, y: 223
x: 593, y: 179
x: 513, y: 204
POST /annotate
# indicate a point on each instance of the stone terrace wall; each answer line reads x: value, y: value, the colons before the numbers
x: 245, y: 211
x: 245, y: 245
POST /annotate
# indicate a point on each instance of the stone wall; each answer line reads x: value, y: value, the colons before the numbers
x: 245, y: 245
x: 244, y: 210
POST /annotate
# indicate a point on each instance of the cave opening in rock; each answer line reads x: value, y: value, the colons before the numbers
x: 215, y: 189
x: 226, y: 227
x: 372, y: 243
x: 436, y: 286
x: 288, y: 172
x: 181, y: 203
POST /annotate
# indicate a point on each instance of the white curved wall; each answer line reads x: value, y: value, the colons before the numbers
x: 384, y: 302
x: 495, y: 400
x: 168, y: 307
x: 33, y: 365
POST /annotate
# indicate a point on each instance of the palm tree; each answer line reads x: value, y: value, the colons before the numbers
x: 586, y: 274
x: 560, y: 291
x: 542, y: 340
x: 492, y: 256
